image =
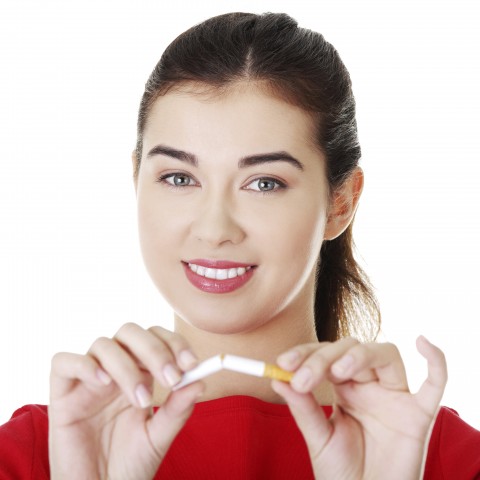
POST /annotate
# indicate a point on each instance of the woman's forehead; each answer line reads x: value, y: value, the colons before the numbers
x: 236, y: 115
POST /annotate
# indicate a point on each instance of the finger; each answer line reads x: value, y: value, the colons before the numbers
x: 153, y: 352
x: 293, y: 358
x: 309, y: 416
x: 124, y: 371
x: 172, y: 415
x: 431, y: 391
x: 69, y: 368
x: 180, y: 348
x: 316, y: 365
x: 372, y: 362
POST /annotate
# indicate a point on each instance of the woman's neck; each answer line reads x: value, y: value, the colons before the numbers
x: 264, y: 343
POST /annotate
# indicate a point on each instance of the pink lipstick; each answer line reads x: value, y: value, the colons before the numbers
x: 217, y: 276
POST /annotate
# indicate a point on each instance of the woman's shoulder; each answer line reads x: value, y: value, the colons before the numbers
x: 454, y: 449
x: 24, y: 444
x: 34, y: 410
x: 25, y: 423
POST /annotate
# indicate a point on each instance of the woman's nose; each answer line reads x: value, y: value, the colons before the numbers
x: 216, y: 223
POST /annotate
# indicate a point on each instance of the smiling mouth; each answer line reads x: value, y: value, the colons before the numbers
x: 217, y: 276
x: 218, y: 273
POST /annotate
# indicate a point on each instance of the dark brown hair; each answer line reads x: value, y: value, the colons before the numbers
x: 299, y: 66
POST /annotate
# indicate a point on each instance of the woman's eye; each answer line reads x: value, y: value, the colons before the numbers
x: 266, y: 185
x: 177, y: 180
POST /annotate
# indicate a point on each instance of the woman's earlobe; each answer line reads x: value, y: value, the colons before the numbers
x: 344, y: 205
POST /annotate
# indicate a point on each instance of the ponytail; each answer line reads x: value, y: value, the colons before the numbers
x: 345, y: 304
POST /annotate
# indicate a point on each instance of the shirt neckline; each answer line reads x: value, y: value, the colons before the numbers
x: 245, y: 402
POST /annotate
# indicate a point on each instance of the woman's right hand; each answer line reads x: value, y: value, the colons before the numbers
x: 101, y: 421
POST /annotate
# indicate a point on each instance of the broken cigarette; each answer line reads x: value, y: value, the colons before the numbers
x: 235, y: 364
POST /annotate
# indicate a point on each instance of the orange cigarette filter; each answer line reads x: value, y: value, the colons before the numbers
x: 277, y: 373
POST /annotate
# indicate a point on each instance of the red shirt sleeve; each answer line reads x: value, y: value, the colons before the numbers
x: 24, y: 445
x: 454, y: 449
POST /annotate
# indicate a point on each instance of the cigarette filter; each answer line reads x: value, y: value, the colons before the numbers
x: 255, y: 367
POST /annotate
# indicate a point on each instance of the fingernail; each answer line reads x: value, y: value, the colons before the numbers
x: 341, y: 367
x: 171, y: 374
x: 302, y: 379
x: 143, y: 396
x: 187, y: 359
x: 103, y: 376
x: 288, y: 358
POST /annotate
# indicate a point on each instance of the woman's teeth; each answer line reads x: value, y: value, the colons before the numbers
x: 217, y: 273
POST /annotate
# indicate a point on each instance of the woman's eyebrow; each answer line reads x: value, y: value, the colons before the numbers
x: 173, y: 153
x: 248, y: 161
x: 282, y: 156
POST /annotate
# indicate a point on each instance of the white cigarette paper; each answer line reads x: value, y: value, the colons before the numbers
x: 235, y: 364
x: 244, y: 365
x: 202, y: 370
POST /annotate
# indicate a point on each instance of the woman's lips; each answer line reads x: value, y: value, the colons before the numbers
x: 217, y: 263
x: 217, y: 276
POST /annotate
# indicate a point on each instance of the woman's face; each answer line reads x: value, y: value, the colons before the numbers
x: 232, y: 204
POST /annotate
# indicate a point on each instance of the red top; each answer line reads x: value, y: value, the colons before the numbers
x: 237, y: 438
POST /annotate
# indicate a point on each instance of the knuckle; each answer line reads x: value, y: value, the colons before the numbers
x: 392, y: 349
x: 442, y: 356
x: 127, y: 328
x: 164, y: 333
x: 102, y: 341
x: 350, y: 339
x: 71, y: 363
x: 307, y: 349
x: 99, y: 344
x: 175, y: 341
x: 318, y: 360
x: 350, y: 344
x: 361, y: 353
x: 57, y: 359
x: 159, y: 331
x: 83, y: 363
x: 158, y: 355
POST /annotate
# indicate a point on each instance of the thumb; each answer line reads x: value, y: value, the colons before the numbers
x: 431, y: 391
x: 308, y: 414
x: 164, y: 426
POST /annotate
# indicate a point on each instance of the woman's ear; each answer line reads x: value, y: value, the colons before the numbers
x: 344, y: 205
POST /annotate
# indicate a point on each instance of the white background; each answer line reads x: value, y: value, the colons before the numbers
x: 71, y: 77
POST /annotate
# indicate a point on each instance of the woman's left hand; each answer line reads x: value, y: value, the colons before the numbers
x: 378, y: 429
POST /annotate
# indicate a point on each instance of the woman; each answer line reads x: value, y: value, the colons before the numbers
x: 247, y: 181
